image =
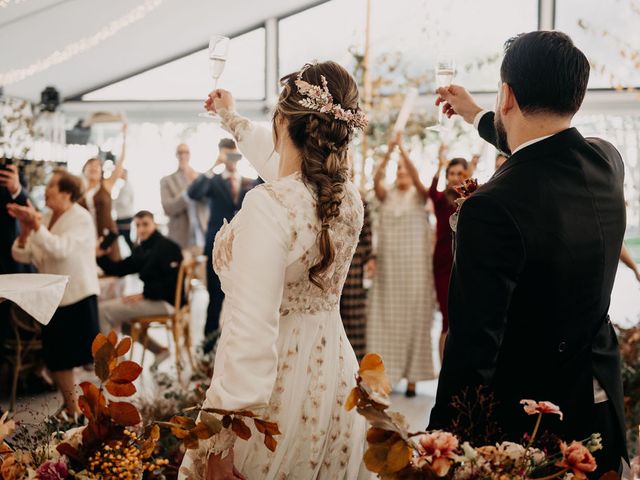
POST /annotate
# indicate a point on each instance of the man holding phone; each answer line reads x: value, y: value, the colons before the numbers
x: 225, y: 192
x: 11, y: 191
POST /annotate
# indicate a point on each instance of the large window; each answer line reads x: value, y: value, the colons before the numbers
x: 413, y: 32
x: 609, y: 34
x: 188, y: 78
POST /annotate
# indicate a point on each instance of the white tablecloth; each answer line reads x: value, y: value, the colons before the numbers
x: 38, y: 294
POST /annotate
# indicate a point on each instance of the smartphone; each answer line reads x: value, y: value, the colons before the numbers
x: 108, y: 240
x: 234, y: 157
x: 4, y: 162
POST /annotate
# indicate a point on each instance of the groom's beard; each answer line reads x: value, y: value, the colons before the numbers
x: 501, y: 135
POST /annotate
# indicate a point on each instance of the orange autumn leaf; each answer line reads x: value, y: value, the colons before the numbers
x: 352, y: 399
x: 375, y: 458
x: 264, y: 427
x: 202, y: 431
x: 126, y: 371
x: 104, y: 361
x: 123, y: 346
x: 92, y: 401
x: 181, y: 426
x: 113, y: 338
x: 375, y: 379
x: 149, y: 444
x: 98, y: 342
x: 211, y: 421
x: 398, y: 457
x: 240, y: 428
x: 378, y: 435
x: 124, y: 414
x: 120, y: 389
x: 270, y: 443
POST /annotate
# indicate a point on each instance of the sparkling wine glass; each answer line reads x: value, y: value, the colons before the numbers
x: 218, y: 49
x: 445, y: 71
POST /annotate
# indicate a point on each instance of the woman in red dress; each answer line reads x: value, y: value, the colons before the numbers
x: 444, y: 204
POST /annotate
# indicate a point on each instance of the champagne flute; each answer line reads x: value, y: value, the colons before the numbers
x: 445, y: 71
x: 218, y: 49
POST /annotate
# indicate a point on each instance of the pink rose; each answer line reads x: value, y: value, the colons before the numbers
x: 531, y: 407
x: 578, y: 459
x: 439, y: 448
x: 53, y: 470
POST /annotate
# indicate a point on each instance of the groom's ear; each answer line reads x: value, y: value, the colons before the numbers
x: 507, y: 99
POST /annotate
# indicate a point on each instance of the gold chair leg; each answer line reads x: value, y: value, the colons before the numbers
x: 176, y: 343
x: 16, y: 369
x: 187, y: 343
x: 145, y: 342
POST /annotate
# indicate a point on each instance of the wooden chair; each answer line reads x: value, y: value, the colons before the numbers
x: 24, y: 350
x: 177, y: 324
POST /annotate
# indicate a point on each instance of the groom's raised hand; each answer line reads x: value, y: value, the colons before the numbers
x: 457, y: 101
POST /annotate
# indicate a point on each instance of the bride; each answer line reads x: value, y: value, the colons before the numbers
x: 283, y: 353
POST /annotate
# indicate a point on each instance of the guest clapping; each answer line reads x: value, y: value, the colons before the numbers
x: 401, y: 303
x: 445, y: 205
x: 63, y: 242
x: 157, y: 260
x: 187, y: 218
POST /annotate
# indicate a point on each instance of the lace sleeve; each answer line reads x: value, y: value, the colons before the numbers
x: 255, y: 141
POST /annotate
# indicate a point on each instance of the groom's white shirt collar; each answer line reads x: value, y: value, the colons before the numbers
x: 476, y: 122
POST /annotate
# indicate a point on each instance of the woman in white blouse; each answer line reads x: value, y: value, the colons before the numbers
x: 63, y: 242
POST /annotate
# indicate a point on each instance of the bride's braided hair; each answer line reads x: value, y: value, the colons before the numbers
x: 324, y: 141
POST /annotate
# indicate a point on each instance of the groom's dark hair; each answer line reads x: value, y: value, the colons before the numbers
x: 546, y: 71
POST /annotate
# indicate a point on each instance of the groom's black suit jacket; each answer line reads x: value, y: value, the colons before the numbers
x: 537, y: 249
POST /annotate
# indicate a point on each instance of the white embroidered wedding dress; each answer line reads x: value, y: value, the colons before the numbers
x: 283, y: 352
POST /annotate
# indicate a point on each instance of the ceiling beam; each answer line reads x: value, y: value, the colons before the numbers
x: 33, y: 13
x: 75, y: 97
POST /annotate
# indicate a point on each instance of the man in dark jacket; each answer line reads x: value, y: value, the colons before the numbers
x: 225, y: 192
x: 536, y: 255
x: 157, y: 261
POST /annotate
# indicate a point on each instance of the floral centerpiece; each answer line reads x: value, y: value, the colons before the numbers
x: 395, y: 453
x: 116, y: 441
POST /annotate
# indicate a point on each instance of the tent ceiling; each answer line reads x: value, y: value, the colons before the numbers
x: 33, y: 29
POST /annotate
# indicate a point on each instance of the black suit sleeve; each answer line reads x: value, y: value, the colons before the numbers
x: 489, y: 256
x: 487, y: 129
x: 199, y: 188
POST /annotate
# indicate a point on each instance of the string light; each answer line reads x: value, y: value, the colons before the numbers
x: 84, y: 44
x: 5, y: 3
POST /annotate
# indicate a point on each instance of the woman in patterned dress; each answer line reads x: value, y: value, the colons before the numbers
x: 401, y: 300
x: 283, y: 353
x: 353, y: 302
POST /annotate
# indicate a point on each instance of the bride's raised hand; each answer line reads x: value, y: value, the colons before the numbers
x: 220, y: 100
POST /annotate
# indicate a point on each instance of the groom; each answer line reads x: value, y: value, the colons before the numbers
x: 537, y: 250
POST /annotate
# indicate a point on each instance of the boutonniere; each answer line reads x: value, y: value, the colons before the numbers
x: 465, y: 190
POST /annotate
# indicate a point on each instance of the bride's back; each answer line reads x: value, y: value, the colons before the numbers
x: 300, y: 294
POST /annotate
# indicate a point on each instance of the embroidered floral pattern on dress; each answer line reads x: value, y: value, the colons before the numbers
x: 223, y: 247
x: 300, y: 295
